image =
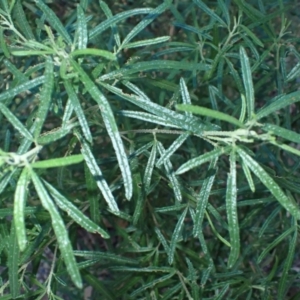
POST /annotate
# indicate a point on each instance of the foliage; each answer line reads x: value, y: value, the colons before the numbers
x: 149, y: 161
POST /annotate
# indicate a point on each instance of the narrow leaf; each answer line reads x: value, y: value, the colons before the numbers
x: 54, y: 21
x: 74, y: 213
x: 197, y: 161
x: 58, y: 162
x: 203, y: 111
x: 268, y: 181
x: 81, y: 28
x: 15, y: 122
x: 176, y: 236
x: 277, y: 104
x: 111, y: 127
x: 149, y: 42
x: 248, y: 83
x: 213, y: 15
x: 146, y: 21
x: 149, y: 168
x: 231, y: 209
x: 98, y: 176
x: 79, y: 112
x: 45, y: 98
x: 93, y: 52
x: 59, y: 229
x: 175, y: 145
x: 19, y: 207
x: 282, y: 132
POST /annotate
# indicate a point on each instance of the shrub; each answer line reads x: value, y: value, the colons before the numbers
x: 149, y: 152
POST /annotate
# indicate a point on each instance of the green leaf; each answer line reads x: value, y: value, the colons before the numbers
x: 175, y: 145
x: 277, y: 104
x: 151, y: 284
x: 45, y: 98
x: 154, y: 65
x: 58, y: 162
x: 146, y: 21
x: 81, y: 29
x: 205, y: 8
x: 149, y: 167
x: 21, y: 19
x: 145, y: 117
x: 55, y: 134
x: 74, y: 213
x: 202, y: 199
x: 79, y: 112
x: 19, y: 207
x: 248, y: 176
x: 232, y: 214
x: 117, y: 18
x: 268, y: 181
x: 13, y: 263
x: 54, y: 20
x: 248, y: 83
x: 114, y: 28
x: 22, y: 88
x: 284, y: 281
x: 59, y: 229
x: 92, y: 195
x: 3, y: 44
x: 275, y: 242
x: 250, y: 33
x: 98, y: 176
x: 192, y: 124
x: 93, y: 52
x: 197, y: 161
x: 282, y: 132
x: 111, y: 127
x: 15, y: 122
x: 203, y: 111
x: 170, y: 173
x: 176, y: 236
x: 149, y: 42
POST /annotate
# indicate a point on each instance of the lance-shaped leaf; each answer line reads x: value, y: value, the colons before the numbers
x: 175, y: 145
x: 282, y: 132
x: 81, y: 28
x: 202, y: 199
x: 150, y: 167
x: 15, y: 122
x: 145, y: 117
x: 111, y: 127
x: 203, y: 111
x: 170, y: 173
x: 19, y: 206
x: 58, y: 162
x: 74, y: 213
x: 278, y: 103
x: 59, y: 229
x: 114, y: 28
x: 79, y: 112
x: 176, y: 236
x: 22, y: 87
x: 54, y: 20
x: 117, y: 18
x: 97, y: 174
x: 187, y: 123
x: 231, y: 209
x: 268, y: 181
x: 94, y: 52
x: 248, y: 83
x: 213, y: 15
x: 45, y: 98
x: 149, y: 42
x: 186, y: 99
x: 13, y: 263
x: 197, y: 161
x: 146, y: 21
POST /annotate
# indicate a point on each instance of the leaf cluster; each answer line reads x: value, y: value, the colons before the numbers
x: 148, y: 162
